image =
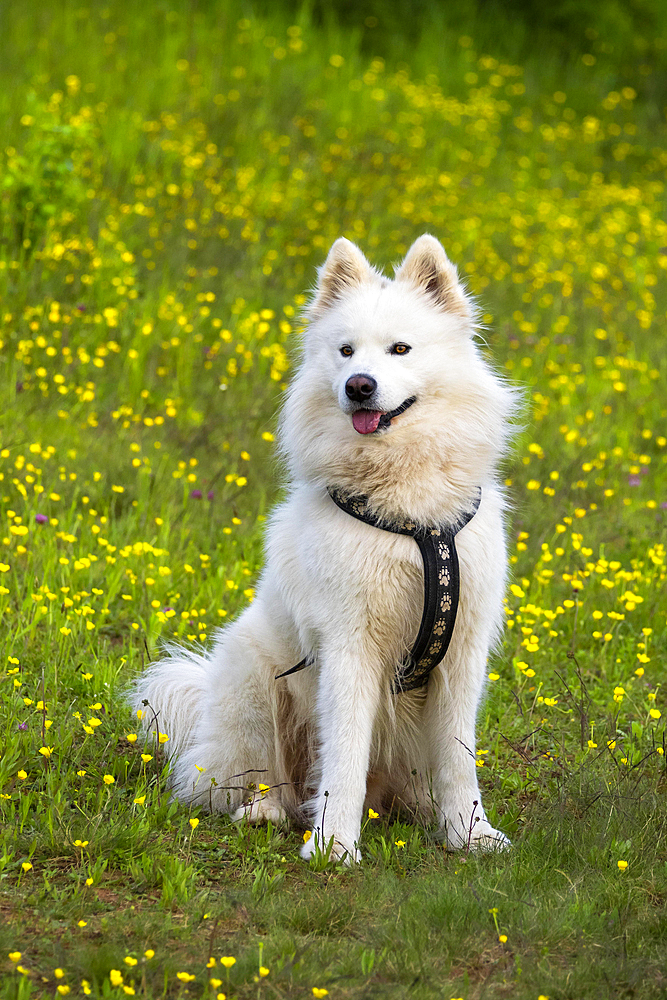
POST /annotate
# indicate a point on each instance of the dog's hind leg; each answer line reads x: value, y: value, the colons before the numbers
x: 218, y: 712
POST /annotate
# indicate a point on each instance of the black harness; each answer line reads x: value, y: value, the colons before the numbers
x: 441, y: 590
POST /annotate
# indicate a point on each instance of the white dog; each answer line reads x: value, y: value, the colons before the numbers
x: 392, y: 403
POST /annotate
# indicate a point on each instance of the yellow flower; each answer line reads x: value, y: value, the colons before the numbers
x: 149, y: 953
x: 194, y: 822
x: 116, y: 977
x: 263, y: 971
x: 502, y: 938
x: 108, y: 779
x: 59, y: 973
x: 139, y: 801
x: 185, y: 977
x: 22, y: 774
x: 15, y: 956
x: 81, y: 843
x: 63, y: 989
x: 146, y: 757
x: 82, y: 923
x: 400, y: 843
x: 131, y: 737
x: 372, y: 814
x: 215, y: 983
x: 228, y: 961
x: 211, y: 964
x: 46, y: 751
x: 622, y: 865
x: 162, y: 737
x: 306, y: 836
x: 319, y: 991
x: 89, y: 881
x: 655, y: 713
x: 26, y: 866
x: 129, y: 960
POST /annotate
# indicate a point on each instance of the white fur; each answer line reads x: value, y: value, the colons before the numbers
x: 333, y: 739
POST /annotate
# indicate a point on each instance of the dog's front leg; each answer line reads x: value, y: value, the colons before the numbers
x: 453, y: 698
x: 346, y: 707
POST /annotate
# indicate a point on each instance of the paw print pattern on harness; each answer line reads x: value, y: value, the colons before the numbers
x: 441, y: 587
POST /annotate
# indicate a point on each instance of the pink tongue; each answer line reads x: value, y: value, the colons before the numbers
x: 366, y: 421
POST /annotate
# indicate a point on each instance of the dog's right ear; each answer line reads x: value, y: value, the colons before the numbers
x: 345, y: 267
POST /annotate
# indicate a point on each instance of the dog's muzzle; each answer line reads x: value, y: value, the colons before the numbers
x: 387, y: 418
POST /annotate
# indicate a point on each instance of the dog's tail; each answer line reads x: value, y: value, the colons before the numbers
x: 169, y: 697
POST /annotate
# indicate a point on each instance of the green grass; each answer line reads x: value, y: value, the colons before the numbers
x: 169, y: 180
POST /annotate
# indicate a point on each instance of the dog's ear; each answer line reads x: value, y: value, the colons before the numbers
x: 344, y: 268
x: 428, y: 268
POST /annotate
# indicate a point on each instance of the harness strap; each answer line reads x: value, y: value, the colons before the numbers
x: 441, y: 589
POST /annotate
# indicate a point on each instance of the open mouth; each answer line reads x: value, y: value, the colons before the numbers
x: 371, y: 421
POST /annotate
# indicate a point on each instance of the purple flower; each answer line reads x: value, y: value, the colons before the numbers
x: 634, y: 480
x: 663, y: 505
x: 210, y: 495
x: 196, y: 494
x: 23, y: 726
x: 81, y: 308
x: 41, y: 519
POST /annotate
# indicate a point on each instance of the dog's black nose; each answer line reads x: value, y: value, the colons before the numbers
x: 360, y: 387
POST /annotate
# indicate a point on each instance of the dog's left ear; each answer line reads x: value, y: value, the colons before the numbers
x: 428, y: 268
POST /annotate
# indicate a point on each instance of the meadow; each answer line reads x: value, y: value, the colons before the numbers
x: 170, y: 177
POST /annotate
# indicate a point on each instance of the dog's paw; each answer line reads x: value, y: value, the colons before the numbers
x: 482, y: 837
x: 486, y: 838
x: 260, y: 810
x: 336, y: 852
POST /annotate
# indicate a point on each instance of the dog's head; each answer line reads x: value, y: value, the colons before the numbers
x: 392, y: 387
x: 381, y: 342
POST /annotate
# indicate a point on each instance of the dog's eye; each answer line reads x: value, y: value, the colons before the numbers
x: 346, y: 351
x: 400, y: 349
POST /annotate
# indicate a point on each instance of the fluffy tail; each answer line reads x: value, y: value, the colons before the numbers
x: 171, y: 695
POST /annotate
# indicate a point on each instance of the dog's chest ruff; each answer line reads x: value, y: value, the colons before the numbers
x: 441, y: 589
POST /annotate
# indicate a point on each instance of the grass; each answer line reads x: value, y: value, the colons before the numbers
x: 170, y: 180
